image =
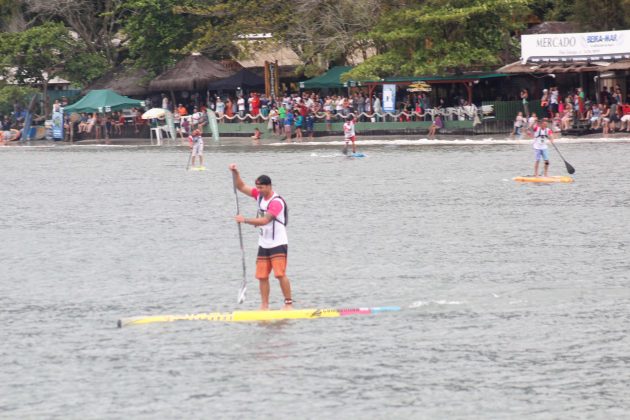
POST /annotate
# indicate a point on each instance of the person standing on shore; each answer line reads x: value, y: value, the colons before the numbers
x: 271, y: 218
x: 541, y: 135
x: 518, y: 125
x: 299, y: 121
x: 288, y: 125
x: 525, y: 101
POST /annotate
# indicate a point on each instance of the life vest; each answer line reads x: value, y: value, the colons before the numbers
x: 263, y: 211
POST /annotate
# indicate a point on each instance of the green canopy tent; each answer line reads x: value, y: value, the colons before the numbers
x: 104, y: 100
x: 330, y: 79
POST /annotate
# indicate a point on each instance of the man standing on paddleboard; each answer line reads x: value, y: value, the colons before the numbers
x: 542, y: 134
x: 272, y: 218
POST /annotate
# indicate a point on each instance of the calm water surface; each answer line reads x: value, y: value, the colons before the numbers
x: 516, y: 297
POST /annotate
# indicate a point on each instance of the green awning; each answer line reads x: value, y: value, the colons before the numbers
x: 104, y: 100
x: 330, y: 79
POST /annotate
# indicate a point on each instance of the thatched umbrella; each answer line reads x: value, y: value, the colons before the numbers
x: 193, y: 73
x: 125, y: 81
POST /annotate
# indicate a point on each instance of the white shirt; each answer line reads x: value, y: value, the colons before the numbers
x: 348, y: 129
x: 541, y: 135
x: 274, y: 233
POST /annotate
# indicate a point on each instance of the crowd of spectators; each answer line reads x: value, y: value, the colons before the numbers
x: 297, y: 113
x: 608, y: 111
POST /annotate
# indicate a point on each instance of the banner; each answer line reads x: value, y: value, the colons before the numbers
x: 272, y: 81
x: 170, y: 123
x: 213, y: 123
x: 57, y: 123
x: 389, y: 98
x: 28, y: 120
x: 610, y: 45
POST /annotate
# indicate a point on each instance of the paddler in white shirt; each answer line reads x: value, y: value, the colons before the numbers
x: 271, y: 218
x: 542, y: 135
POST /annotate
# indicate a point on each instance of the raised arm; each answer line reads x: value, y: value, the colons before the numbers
x: 240, y: 185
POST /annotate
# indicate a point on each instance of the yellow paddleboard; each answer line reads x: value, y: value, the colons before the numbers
x: 543, y: 179
x: 253, y: 316
x: 198, y: 168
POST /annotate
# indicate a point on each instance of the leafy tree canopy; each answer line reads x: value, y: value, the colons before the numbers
x: 224, y: 21
x: 156, y: 33
x: 9, y: 94
x: 35, y: 56
x: 434, y: 37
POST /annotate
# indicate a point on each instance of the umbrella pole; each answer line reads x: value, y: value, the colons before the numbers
x: 173, y: 100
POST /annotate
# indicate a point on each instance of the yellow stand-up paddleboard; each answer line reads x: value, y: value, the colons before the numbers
x: 253, y: 316
x: 543, y: 179
x: 198, y: 168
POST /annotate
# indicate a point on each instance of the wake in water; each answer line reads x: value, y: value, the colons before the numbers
x: 421, y: 303
x: 451, y: 142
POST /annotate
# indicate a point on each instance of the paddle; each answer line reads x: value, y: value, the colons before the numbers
x: 345, y: 149
x: 189, y: 158
x: 570, y: 169
x: 241, y: 293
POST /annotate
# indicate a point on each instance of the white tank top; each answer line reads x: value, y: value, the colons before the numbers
x: 274, y: 233
x: 348, y: 129
x: 541, y: 135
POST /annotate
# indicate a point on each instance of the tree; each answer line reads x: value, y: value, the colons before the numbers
x: 12, y: 16
x: 156, y: 32
x: 9, y: 94
x: 436, y: 37
x: 35, y: 56
x: 333, y: 30
x: 96, y: 22
x: 221, y: 22
x: 608, y: 15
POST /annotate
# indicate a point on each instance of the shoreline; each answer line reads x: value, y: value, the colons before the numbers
x: 332, y: 141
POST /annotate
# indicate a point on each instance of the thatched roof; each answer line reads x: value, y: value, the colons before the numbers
x: 126, y: 81
x: 253, y: 53
x: 192, y: 73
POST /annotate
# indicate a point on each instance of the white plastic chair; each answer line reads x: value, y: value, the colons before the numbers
x: 158, y: 135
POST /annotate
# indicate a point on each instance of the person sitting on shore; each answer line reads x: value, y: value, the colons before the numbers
x: 83, y: 123
x: 593, y: 116
x: 256, y: 136
x: 532, y: 121
x: 605, y: 119
x: 567, y: 118
x: 615, y: 116
x: 518, y: 125
x: 556, y: 124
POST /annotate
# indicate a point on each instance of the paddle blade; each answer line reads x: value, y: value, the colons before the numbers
x: 241, y: 293
x: 570, y: 169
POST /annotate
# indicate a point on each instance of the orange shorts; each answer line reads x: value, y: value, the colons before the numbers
x: 271, y: 258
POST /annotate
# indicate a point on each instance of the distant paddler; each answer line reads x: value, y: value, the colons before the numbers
x: 542, y: 135
x: 196, y: 144
x: 271, y: 218
x: 349, y: 135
